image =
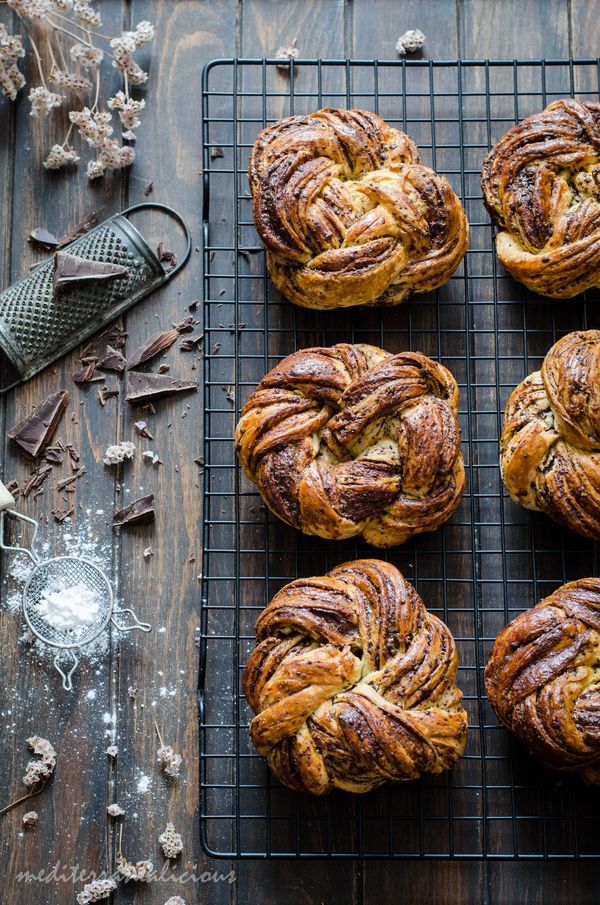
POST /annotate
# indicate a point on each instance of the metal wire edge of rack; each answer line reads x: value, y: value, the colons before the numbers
x: 498, y: 803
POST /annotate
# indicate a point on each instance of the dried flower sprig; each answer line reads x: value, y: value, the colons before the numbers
x: 96, y: 890
x: 170, y: 842
x: 169, y: 761
x: 77, y: 21
x: 37, y: 772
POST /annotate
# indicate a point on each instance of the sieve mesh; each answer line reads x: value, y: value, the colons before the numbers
x: 63, y: 573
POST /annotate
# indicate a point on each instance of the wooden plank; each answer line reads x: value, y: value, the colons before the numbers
x: 515, y: 29
x: 71, y: 828
x: 164, y: 587
x: 584, y: 19
x: 375, y: 31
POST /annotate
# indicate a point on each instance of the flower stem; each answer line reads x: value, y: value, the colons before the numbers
x: 31, y: 794
x: 39, y: 61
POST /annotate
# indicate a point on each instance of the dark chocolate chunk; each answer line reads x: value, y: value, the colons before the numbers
x: 36, y: 431
x: 44, y: 239
x: 148, y: 188
x: 88, y: 374
x: 143, y: 387
x: 166, y: 257
x: 153, y: 346
x: 142, y: 427
x: 61, y: 514
x: 114, y: 360
x: 70, y: 270
x: 216, y: 152
x: 138, y: 512
x: 194, y: 342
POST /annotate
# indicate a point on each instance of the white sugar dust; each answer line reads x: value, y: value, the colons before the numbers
x: 65, y: 608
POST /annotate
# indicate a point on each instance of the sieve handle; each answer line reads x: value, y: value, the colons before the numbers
x: 174, y: 215
x: 7, y: 500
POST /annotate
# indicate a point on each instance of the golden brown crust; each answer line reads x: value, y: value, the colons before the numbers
x: 541, y: 184
x: 353, y: 682
x: 550, y: 446
x: 543, y: 678
x: 347, y: 213
x: 351, y: 440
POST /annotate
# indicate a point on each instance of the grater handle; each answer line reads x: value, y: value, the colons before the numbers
x: 170, y: 212
x: 7, y: 500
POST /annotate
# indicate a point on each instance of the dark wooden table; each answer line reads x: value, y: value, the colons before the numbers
x: 72, y: 829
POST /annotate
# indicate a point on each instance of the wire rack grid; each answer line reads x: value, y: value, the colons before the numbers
x: 488, y: 563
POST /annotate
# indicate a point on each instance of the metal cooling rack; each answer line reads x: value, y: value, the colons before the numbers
x: 489, y: 562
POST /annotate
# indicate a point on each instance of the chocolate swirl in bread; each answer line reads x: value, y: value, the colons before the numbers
x: 550, y: 446
x: 353, y: 683
x: 347, y: 213
x: 541, y: 184
x: 351, y: 440
x: 543, y: 678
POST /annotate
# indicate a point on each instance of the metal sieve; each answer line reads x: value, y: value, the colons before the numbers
x: 60, y: 574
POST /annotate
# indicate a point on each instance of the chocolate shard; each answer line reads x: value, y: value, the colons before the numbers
x: 142, y: 388
x: 153, y: 346
x: 70, y: 270
x: 44, y: 238
x: 137, y: 513
x: 33, y: 433
x: 166, y: 257
x: 114, y: 360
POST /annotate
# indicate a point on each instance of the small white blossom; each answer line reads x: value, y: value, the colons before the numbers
x: 38, y: 770
x: 61, y: 6
x: 143, y: 34
x: 287, y: 54
x: 116, y: 454
x: 129, y: 109
x: 112, y: 750
x: 31, y: 9
x: 86, y: 14
x: 96, y: 891
x: 115, y: 810
x: 60, y: 156
x: 43, y: 101
x: 88, y: 57
x: 410, y: 42
x: 175, y: 900
x: 169, y: 761
x: 11, y: 79
x: 170, y: 842
x: 30, y: 818
x: 69, y: 80
x: 141, y: 870
x: 95, y: 169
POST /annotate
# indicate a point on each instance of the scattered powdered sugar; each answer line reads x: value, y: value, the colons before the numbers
x: 143, y: 785
x: 71, y: 607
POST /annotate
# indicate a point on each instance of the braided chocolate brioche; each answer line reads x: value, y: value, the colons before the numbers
x: 543, y: 678
x: 351, y: 440
x: 347, y: 213
x: 541, y: 184
x: 550, y: 446
x: 353, y: 683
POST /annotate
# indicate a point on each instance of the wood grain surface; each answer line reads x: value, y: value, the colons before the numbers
x: 164, y: 587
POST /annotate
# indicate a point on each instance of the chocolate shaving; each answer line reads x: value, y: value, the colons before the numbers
x: 194, y: 342
x: 113, y: 360
x: 70, y: 270
x: 88, y: 374
x: 36, y: 480
x: 216, y: 152
x: 186, y: 325
x: 33, y: 433
x: 13, y: 487
x: 142, y: 428
x: 138, y: 512
x: 44, y: 239
x: 73, y: 454
x: 166, y: 257
x: 53, y: 456
x: 148, y: 188
x: 105, y: 393
x: 142, y: 388
x: 61, y: 514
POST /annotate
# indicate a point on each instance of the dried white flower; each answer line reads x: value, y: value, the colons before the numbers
x: 112, y: 750
x: 11, y: 79
x: 88, y: 57
x: 115, y: 810
x: 170, y: 842
x: 143, y: 34
x: 410, y: 42
x: 31, y: 9
x: 175, y: 900
x: 151, y: 456
x: 169, y: 761
x: 60, y: 156
x: 95, y: 128
x: 95, y: 169
x: 129, y: 135
x: 69, y: 80
x: 116, y: 454
x: 287, y: 54
x: 86, y: 14
x: 11, y: 46
x: 43, y: 101
x: 141, y: 871
x: 37, y: 770
x: 128, y: 108
x: 96, y: 891
x: 147, y: 551
x: 30, y: 818
x: 61, y: 6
